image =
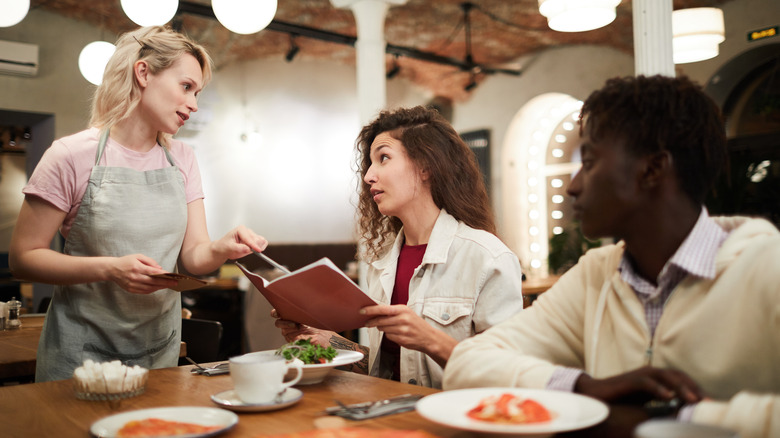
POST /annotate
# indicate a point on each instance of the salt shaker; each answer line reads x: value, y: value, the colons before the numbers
x: 13, y: 322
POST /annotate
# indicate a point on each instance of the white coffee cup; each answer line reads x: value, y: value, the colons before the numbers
x: 260, y: 378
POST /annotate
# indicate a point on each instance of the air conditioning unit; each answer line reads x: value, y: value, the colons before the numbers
x: 19, y: 59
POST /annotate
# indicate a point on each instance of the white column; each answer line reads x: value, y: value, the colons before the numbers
x: 370, y: 48
x: 653, y: 37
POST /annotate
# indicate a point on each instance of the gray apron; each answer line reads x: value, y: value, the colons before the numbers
x: 123, y: 211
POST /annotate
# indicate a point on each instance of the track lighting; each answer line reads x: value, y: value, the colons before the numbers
x: 393, y: 72
x: 294, y: 49
x: 471, y: 85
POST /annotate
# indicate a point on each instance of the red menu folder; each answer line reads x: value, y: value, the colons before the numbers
x: 318, y: 295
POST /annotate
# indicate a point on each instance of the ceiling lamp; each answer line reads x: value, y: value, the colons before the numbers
x: 93, y: 59
x: 150, y: 12
x: 696, y: 34
x: 14, y: 11
x: 244, y: 16
x: 578, y: 15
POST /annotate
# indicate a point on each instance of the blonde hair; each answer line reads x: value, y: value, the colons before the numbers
x: 119, y: 93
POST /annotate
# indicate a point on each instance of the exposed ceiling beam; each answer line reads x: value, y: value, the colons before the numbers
x: 186, y: 7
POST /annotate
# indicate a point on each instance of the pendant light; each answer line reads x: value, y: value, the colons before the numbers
x: 578, y: 15
x: 14, y: 11
x: 150, y: 12
x: 93, y: 59
x: 696, y: 34
x: 244, y: 16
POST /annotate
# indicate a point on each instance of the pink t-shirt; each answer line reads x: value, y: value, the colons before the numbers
x: 61, y: 176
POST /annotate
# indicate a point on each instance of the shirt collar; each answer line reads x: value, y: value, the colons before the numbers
x: 695, y: 256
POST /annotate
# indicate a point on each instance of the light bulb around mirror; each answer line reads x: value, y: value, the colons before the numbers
x: 13, y: 11
x: 244, y: 16
x: 93, y: 59
x: 150, y: 12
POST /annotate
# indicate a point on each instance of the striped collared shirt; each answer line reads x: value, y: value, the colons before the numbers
x: 695, y: 256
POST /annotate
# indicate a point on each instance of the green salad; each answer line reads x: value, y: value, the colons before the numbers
x: 307, y: 352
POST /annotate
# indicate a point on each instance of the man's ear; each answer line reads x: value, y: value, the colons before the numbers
x: 141, y: 72
x: 657, y: 167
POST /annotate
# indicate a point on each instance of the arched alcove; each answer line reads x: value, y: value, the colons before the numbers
x: 539, y: 156
x: 748, y: 90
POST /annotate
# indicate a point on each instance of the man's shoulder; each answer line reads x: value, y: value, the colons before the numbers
x: 604, y: 254
x: 598, y: 264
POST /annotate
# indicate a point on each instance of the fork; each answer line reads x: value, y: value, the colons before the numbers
x: 218, y: 369
x: 197, y: 365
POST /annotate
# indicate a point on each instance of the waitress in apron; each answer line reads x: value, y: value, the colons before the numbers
x: 128, y: 199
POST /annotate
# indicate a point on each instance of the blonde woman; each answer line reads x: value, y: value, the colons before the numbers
x: 128, y: 200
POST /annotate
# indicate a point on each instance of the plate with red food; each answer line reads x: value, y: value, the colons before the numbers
x: 512, y: 410
x: 178, y: 421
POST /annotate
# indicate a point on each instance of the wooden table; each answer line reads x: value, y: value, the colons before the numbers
x: 51, y: 409
x: 536, y: 286
x: 19, y: 349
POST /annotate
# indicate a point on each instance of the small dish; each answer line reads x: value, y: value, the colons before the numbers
x: 102, y: 385
x: 316, y: 373
x: 109, y: 396
x: 229, y: 400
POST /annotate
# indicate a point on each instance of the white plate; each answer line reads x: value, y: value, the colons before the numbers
x: 229, y: 400
x: 663, y: 428
x: 571, y: 411
x: 315, y: 373
x: 109, y: 426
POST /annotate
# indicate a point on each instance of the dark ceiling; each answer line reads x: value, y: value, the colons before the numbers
x: 501, y: 31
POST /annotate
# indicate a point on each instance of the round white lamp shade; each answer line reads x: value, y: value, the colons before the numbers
x: 13, y: 11
x: 93, y: 59
x: 578, y: 15
x: 244, y: 16
x: 697, y: 32
x: 150, y: 12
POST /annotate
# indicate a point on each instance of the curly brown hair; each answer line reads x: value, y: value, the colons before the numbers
x: 658, y: 113
x: 432, y: 144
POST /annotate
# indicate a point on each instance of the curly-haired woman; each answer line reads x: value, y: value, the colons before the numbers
x: 426, y: 232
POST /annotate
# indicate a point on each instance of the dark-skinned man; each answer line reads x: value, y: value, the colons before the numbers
x: 683, y: 307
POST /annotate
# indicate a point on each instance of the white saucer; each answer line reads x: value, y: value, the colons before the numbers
x: 229, y: 400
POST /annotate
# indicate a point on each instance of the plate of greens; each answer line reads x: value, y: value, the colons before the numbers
x: 317, y: 360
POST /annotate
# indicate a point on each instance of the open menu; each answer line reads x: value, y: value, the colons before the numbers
x: 318, y: 295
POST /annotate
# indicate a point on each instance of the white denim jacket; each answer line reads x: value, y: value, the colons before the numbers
x: 468, y: 281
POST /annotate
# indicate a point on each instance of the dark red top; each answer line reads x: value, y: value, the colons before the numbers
x: 410, y: 258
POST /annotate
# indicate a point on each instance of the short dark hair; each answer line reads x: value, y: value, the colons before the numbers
x: 659, y: 113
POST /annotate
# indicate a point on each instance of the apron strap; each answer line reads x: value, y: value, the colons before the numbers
x: 168, y: 155
x: 102, y: 146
